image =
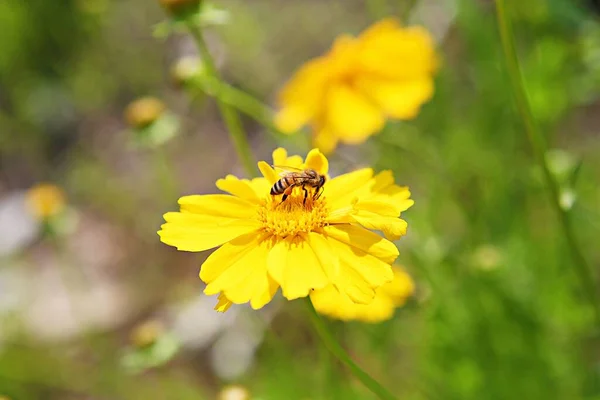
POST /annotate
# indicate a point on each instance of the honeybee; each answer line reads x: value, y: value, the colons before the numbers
x: 295, y: 177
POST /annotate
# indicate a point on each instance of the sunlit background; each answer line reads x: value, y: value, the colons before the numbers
x: 94, y: 306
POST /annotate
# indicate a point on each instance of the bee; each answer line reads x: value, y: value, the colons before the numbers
x: 294, y: 177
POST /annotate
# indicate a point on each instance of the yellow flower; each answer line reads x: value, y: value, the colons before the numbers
x: 347, y: 94
x: 388, y: 297
x: 296, y: 245
x: 146, y: 333
x: 45, y: 200
x: 143, y: 112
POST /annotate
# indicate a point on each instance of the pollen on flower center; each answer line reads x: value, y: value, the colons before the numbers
x: 292, y: 216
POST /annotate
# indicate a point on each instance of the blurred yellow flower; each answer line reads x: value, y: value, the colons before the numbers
x: 346, y: 95
x: 297, y: 245
x: 143, y: 112
x: 146, y: 333
x: 45, y: 200
x: 331, y: 302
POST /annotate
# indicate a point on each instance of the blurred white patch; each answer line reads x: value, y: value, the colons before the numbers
x: 232, y: 354
x: 18, y: 228
x: 53, y: 311
x: 437, y: 16
x: 567, y: 199
x: 233, y: 336
x: 196, y: 323
x: 54, y: 294
x: 234, y: 393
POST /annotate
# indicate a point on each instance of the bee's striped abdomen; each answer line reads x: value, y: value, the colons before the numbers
x: 279, y: 187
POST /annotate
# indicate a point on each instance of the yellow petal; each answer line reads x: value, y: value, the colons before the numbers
x: 317, y: 161
x: 239, y: 270
x: 374, y: 271
x: 263, y: 297
x: 261, y: 187
x: 258, y: 288
x: 295, y: 266
x: 393, y: 228
x: 281, y: 159
x: 276, y: 260
x: 189, y: 232
x: 218, y: 205
x: 382, y: 27
x: 397, y: 53
x: 340, y: 190
x: 268, y: 172
x: 398, y: 99
x: 384, y: 190
x: 279, y: 156
x: 360, y: 272
x: 382, y: 180
x: 223, y: 303
x: 238, y: 187
x: 325, y: 254
x: 292, y: 118
x: 331, y: 302
x: 351, y: 116
x: 380, y: 309
x: 380, y: 206
x: 335, y: 304
x: 325, y: 140
x: 361, y: 239
x: 400, y: 288
x: 303, y: 95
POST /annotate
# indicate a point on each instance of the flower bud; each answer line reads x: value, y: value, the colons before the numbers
x: 45, y: 200
x: 179, y: 7
x: 143, y: 112
x: 146, y: 333
x: 185, y: 69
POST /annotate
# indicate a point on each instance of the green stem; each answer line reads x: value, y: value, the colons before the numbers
x: 242, y: 101
x: 538, y: 143
x: 338, y: 351
x: 230, y: 115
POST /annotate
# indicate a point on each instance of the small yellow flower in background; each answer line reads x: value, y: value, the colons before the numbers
x: 45, y: 200
x: 146, y: 333
x: 296, y: 244
x: 388, y: 297
x: 234, y: 392
x: 143, y: 112
x: 347, y: 94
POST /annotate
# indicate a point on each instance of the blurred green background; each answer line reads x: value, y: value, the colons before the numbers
x: 98, y: 308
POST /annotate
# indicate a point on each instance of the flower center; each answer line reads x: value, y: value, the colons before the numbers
x: 292, y: 216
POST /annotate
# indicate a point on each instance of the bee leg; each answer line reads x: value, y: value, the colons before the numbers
x: 318, y: 193
x: 286, y: 193
x: 305, y: 194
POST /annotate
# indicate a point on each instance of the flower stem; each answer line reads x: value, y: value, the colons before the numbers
x: 242, y: 101
x: 338, y: 351
x: 538, y: 144
x: 229, y: 114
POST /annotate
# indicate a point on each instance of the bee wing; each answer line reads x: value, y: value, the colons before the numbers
x: 284, y: 170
